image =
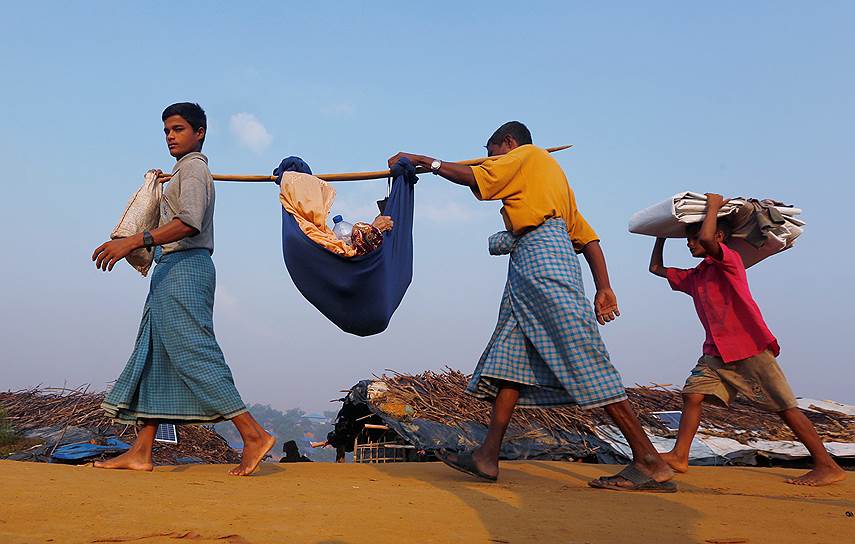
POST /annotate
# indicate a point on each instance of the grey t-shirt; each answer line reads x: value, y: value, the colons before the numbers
x: 189, y: 196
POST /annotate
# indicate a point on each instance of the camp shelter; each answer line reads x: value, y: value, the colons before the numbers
x: 51, y: 421
x: 424, y: 413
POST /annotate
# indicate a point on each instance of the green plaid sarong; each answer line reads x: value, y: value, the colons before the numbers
x: 177, y: 372
x: 546, y: 338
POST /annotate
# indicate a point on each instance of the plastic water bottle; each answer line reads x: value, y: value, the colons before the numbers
x: 342, y: 229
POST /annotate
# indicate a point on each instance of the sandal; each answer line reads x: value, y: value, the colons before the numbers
x: 639, y: 480
x: 464, y: 463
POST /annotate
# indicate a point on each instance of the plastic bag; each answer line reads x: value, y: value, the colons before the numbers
x: 365, y: 238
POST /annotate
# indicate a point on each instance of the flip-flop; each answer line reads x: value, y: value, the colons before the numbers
x: 639, y: 480
x: 464, y: 463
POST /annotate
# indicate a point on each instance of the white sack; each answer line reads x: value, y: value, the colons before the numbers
x: 142, y: 213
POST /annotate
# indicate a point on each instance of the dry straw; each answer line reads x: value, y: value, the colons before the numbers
x: 60, y: 407
x: 440, y: 397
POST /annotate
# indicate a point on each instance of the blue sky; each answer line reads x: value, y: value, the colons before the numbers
x: 743, y: 99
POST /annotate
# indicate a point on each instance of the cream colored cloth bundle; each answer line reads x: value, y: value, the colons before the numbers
x: 142, y: 213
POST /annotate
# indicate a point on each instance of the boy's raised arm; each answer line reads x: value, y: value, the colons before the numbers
x: 707, y: 235
x: 656, y: 266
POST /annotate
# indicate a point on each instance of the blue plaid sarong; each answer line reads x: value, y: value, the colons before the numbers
x: 177, y: 372
x: 546, y: 338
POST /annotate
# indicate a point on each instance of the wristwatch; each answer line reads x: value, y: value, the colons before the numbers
x: 148, y: 239
x: 435, y: 166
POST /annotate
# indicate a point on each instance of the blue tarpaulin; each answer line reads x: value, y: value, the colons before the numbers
x: 85, y: 450
x: 358, y: 294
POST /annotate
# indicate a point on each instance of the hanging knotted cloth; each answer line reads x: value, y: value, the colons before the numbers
x: 358, y: 294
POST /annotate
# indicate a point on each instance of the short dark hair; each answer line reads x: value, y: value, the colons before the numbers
x: 190, y: 112
x: 515, y: 130
x: 722, y: 224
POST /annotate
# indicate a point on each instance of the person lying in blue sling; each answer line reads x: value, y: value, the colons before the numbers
x: 546, y: 349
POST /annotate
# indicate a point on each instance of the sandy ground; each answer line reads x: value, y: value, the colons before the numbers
x: 540, y: 502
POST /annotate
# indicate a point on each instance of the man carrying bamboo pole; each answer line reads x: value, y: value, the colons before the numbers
x: 177, y: 372
x: 546, y: 349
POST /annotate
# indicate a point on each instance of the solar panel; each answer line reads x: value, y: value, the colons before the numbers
x: 671, y: 420
x: 166, y: 432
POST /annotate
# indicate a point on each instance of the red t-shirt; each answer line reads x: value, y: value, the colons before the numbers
x: 733, y: 323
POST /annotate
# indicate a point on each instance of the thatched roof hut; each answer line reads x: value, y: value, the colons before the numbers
x: 430, y: 411
x: 59, y: 416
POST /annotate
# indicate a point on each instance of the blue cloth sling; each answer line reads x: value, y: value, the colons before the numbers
x: 358, y: 294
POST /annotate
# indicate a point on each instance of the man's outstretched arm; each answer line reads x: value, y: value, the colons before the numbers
x: 452, y: 171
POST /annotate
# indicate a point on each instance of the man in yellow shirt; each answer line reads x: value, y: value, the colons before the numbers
x: 546, y: 349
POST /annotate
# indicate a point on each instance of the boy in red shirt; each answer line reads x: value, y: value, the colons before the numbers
x: 739, y: 350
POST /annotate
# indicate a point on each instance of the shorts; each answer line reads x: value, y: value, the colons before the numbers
x: 759, y: 379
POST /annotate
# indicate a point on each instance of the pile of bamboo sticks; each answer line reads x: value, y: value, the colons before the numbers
x: 60, y: 407
x: 440, y: 397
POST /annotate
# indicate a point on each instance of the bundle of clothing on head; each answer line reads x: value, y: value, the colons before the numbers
x: 759, y: 228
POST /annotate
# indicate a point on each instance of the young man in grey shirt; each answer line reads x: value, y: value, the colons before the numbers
x: 189, y: 197
x: 177, y: 372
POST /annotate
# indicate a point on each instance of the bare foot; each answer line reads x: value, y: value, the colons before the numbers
x: 130, y: 460
x: 253, y: 452
x: 675, y: 462
x: 821, y: 475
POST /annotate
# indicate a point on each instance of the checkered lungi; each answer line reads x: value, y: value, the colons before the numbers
x: 546, y: 338
x: 177, y: 371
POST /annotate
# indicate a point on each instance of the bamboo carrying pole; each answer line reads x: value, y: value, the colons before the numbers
x: 359, y: 176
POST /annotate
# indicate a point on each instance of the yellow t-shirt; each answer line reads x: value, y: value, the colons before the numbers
x: 532, y: 188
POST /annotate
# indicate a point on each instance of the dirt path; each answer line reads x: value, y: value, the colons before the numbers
x: 540, y: 502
